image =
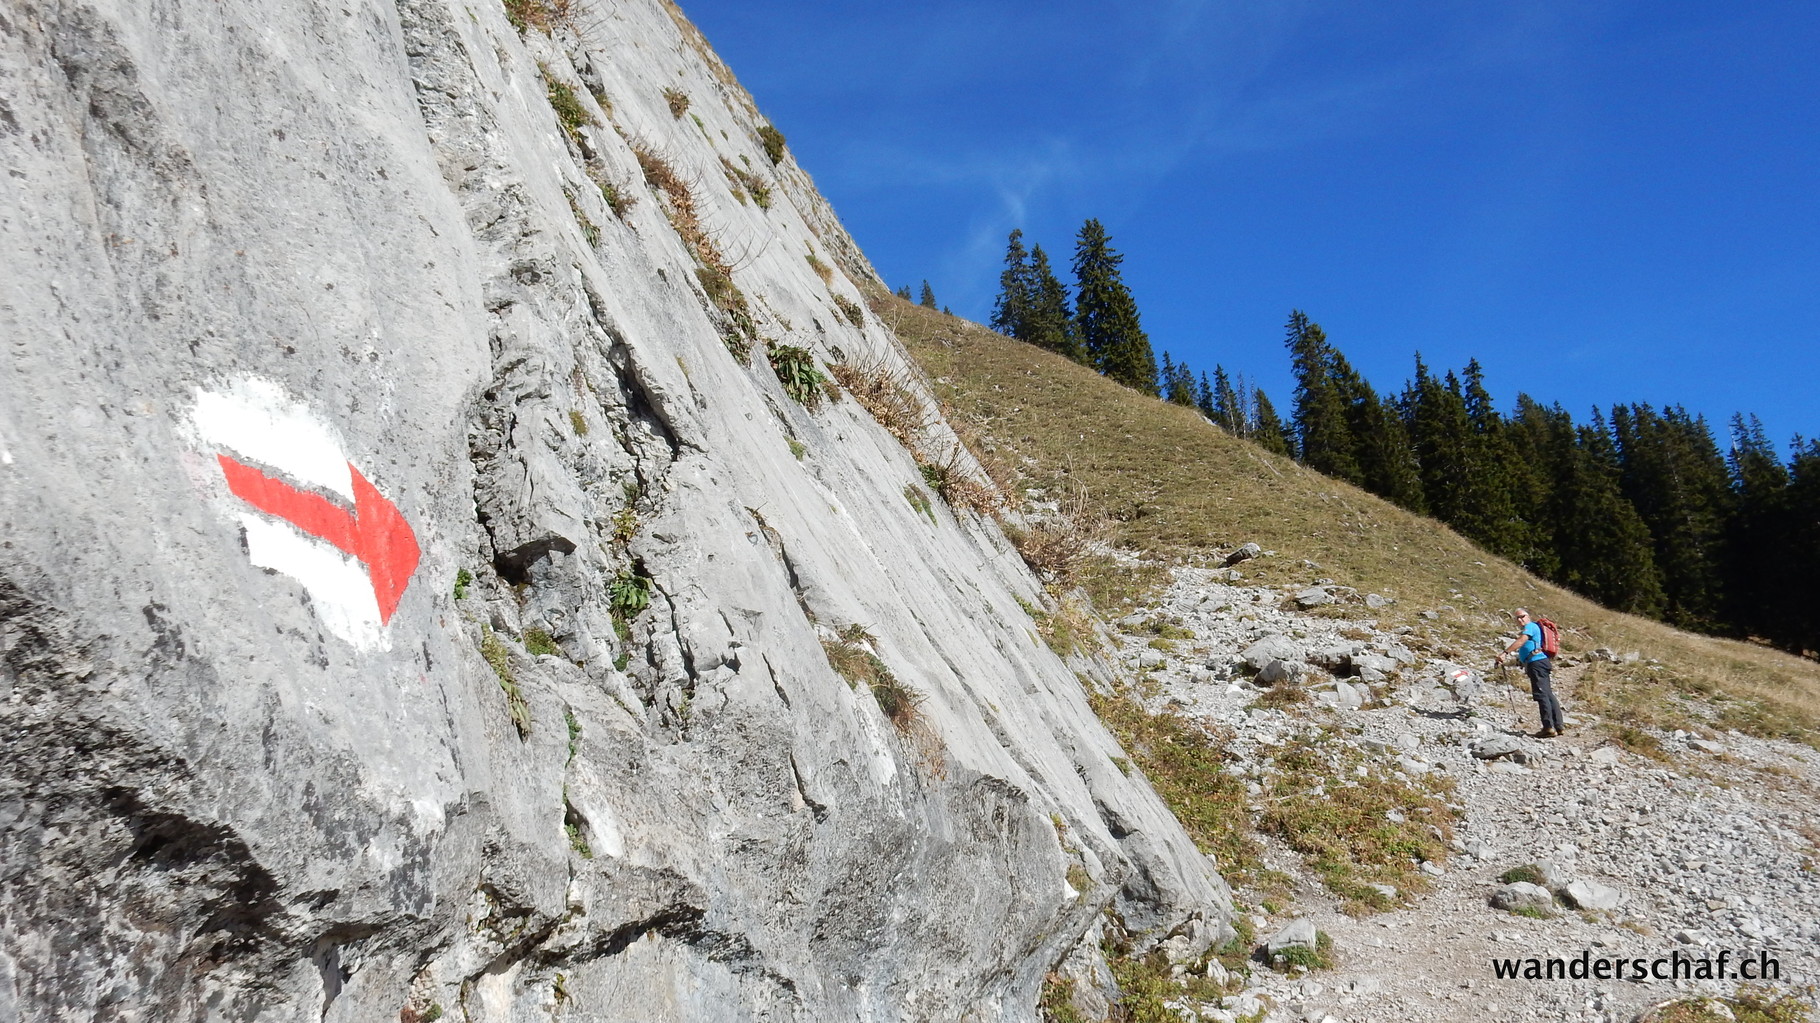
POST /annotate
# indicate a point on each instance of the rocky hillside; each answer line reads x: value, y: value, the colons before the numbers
x: 437, y: 579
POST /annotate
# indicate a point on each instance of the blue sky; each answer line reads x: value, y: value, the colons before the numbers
x: 1603, y: 202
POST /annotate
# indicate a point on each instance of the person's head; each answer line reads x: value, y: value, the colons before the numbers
x: 1521, y: 615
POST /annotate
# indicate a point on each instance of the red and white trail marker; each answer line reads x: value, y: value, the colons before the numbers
x: 314, y: 516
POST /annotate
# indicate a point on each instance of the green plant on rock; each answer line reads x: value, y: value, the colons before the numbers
x: 590, y: 231
x: 919, y: 499
x: 617, y: 198
x: 500, y: 660
x: 1057, y: 1000
x: 851, y: 310
x: 570, y: 112
x: 539, y: 643
x: 1528, y: 873
x: 575, y: 827
x: 628, y: 594
x: 1320, y: 957
x: 463, y: 580
x: 796, y: 370
x: 849, y: 657
x: 773, y: 141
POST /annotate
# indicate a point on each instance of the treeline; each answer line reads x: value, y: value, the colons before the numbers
x: 1641, y: 511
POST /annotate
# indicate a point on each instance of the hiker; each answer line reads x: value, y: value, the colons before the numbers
x: 1528, y: 650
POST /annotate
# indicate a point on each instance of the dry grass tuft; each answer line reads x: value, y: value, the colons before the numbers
x: 679, y: 206
x: 542, y: 15
x: 1058, y: 547
x: 851, y: 656
x: 888, y: 397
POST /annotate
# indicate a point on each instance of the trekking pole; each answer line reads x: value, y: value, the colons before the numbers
x: 1509, y: 704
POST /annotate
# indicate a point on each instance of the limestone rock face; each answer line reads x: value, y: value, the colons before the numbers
x: 411, y: 567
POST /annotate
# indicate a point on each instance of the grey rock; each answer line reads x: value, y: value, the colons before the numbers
x: 1708, y: 746
x: 1244, y: 553
x: 1591, y: 895
x: 1497, y: 745
x: 240, y: 783
x: 1337, y: 658
x: 1282, y: 671
x: 1314, y: 596
x: 1375, y: 601
x: 1522, y: 895
x: 1274, y: 647
x: 1299, y: 932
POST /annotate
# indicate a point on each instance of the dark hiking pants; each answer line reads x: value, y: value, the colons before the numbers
x: 1542, y: 688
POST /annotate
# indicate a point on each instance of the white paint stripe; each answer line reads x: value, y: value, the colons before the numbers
x: 340, y: 590
x: 256, y: 419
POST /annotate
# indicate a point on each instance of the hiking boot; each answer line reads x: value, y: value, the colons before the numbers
x: 1546, y: 733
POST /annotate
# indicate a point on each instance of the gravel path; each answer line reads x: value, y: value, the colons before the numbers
x: 1712, y: 848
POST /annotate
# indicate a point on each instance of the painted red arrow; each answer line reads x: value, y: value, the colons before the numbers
x: 374, y: 531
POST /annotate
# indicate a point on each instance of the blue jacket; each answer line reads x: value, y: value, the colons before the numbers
x: 1532, y: 644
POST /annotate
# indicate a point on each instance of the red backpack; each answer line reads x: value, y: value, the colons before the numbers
x: 1551, y: 637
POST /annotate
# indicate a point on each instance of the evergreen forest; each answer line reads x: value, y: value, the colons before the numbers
x: 1643, y: 509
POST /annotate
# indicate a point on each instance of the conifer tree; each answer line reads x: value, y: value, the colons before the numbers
x: 1605, y: 547
x: 1495, y: 481
x: 1800, y: 613
x: 1203, y: 397
x: 1440, y: 432
x: 1049, y: 324
x: 1228, y: 409
x: 1267, y: 429
x: 903, y: 293
x: 1011, y: 313
x: 928, y: 298
x: 1758, y: 574
x: 1105, y: 315
x: 1323, y: 435
x: 1672, y: 473
x: 1380, y: 446
x: 1178, y: 382
x: 1543, y: 442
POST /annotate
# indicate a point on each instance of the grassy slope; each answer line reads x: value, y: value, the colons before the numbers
x: 1176, y: 486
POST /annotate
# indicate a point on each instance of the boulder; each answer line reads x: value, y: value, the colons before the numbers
x: 1521, y: 896
x: 1281, y: 671
x: 1591, y: 895
x: 1337, y: 658
x: 1274, y: 647
x: 1314, y: 596
x: 1244, y: 553
x: 1497, y: 745
x: 1297, y: 933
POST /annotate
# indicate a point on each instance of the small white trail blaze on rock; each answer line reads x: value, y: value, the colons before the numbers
x: 320, y: 521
